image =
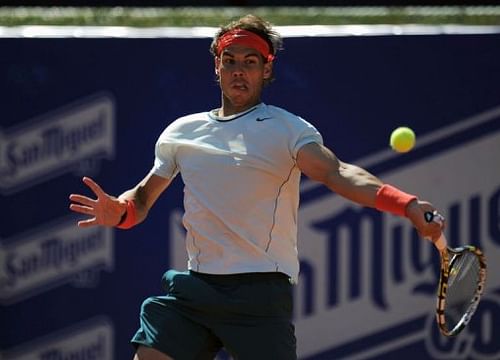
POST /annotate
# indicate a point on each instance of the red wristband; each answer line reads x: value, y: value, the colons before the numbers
x: 393, y: 200
x: 129, y: 218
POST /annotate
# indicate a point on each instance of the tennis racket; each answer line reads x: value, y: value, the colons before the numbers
x: 461, y: 283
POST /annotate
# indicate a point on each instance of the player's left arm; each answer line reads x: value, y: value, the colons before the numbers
x: 352, y: 182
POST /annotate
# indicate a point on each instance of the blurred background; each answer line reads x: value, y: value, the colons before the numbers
x: 86, y: 87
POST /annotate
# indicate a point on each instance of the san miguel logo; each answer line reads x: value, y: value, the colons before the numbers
x: 368, y: 282
x: 53, y: 256
x: 92, y: 340
x: 56, y: 143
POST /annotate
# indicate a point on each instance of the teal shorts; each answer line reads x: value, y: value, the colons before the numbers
x: 249, y: 315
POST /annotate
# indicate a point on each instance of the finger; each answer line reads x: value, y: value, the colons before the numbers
x: 82, y: 209
x: 84, y: 200
x: 433, y: 231
x: 436, y: 234
x: 87, y: 222
x: 94, y: 186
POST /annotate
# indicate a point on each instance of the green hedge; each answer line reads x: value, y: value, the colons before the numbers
x: 198, y: 16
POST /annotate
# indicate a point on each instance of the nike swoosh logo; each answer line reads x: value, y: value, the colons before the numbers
x: 262, y: 119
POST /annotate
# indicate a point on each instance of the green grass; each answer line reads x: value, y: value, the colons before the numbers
x: 206, y: 16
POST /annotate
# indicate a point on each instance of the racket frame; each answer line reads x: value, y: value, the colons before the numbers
x: 448, y: 256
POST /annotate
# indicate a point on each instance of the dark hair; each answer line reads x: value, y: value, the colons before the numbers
x: 256, y: 25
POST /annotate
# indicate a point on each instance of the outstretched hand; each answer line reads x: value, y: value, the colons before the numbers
x: 416, y: 213
x: 105, y: 210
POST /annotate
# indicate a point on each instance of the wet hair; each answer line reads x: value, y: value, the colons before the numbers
x: 256, y: 25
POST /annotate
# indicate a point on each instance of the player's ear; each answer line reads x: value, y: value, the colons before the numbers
x: 268, y: 70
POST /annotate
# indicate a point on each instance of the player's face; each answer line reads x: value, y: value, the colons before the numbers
x: 241, y: 72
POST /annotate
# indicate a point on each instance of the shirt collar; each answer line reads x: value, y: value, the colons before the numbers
x: 213, y: 114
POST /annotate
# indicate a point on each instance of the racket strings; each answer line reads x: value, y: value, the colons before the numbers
x: 463, y: 281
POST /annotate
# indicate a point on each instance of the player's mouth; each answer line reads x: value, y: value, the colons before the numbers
x: 239, y: 86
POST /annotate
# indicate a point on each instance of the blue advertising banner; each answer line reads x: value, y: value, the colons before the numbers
x: 88, y: 102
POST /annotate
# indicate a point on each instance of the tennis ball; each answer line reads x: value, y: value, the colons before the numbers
x: 402, y: 139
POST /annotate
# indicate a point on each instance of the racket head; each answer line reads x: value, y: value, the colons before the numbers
x: 461, y: 285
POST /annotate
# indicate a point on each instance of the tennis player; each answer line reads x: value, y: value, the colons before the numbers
x: 241, y: 165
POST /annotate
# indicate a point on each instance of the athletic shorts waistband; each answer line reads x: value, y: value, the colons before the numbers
x: 248, y: 277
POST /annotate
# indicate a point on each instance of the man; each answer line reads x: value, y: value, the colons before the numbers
x: 241, y: 166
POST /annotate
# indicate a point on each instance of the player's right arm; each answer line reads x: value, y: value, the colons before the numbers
x: 358, y: 185
x: 108, y: 210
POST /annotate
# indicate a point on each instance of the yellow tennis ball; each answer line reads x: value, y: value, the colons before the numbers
x: 402, y: 139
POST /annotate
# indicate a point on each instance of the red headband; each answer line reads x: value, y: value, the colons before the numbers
x: 245, y: 38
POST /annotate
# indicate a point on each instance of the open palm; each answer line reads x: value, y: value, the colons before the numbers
x: 105, y: 210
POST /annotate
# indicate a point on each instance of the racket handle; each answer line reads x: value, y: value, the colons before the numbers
x: 441, y: 243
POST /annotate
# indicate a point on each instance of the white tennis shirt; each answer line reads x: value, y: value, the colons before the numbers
x: 241, y: 193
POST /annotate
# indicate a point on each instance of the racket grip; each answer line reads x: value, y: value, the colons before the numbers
x: 441, y: 243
